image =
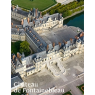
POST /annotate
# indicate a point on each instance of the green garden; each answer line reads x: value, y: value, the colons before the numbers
x: 20, y: 47
x: 28, y: 4
x: 81, y: 87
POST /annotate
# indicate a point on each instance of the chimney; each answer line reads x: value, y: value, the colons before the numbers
x: 31, y: 9
x: 60, y: 14
x: 40, y: 14
x: 76, y: 37
x: 18, y: 29
x: 16, y: 59
x: 18, y: 56
x: 53, y: 44
x: 41, y: 44
x: 28, y: 20
x: 81, y: 35
x: 13, y: 57
x: 22, y: 22
x: 33, y: 22
x: 71, y: 40
x: 24, y: 29
x: 37, y: 40
x: 59, y: 44
x: 13, y: 7
x: 33, y: 35
x: 47, y: 47
x: 16, y: 26
x: 11, y: 23
x: 64, y: 41
x: 36, y: 12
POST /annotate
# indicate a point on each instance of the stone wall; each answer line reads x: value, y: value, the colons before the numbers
x: 18, y: 37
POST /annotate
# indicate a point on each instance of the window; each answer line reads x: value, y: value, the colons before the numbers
x: 42, y: 60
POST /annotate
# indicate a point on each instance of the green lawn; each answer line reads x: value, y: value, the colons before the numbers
x: 67, y: 93
x: 28, y: 4
x: 81, y: 87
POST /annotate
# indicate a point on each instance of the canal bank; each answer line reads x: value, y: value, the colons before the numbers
x: 74, y: 14
x: 76, y: 20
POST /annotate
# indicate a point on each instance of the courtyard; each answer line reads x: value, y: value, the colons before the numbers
x: 45, y: 79
x: 28, y: 4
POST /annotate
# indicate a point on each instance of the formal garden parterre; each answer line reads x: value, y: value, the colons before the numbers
x: 67, y: 93
x: 81, y: 88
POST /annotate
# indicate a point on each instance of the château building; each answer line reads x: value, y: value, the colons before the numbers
x: 52, y: 42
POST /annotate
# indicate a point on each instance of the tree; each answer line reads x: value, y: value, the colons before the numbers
x: 52, y: 12
x: 24, y: 47
x: 69, y: 13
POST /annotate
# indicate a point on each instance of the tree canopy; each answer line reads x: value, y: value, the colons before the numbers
x: 24, y: 47
x: 66, y: 10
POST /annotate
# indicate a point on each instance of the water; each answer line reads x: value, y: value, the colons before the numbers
x: 77, y: 21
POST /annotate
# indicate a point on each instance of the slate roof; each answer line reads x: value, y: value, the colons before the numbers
x: 16, y: 62
x: 25, y: 13
x: 20, y: 32
x: 15, y: 78
x: 35, y: 36
x: 44, y: 19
